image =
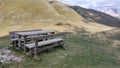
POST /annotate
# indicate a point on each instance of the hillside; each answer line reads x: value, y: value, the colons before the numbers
x: 97, y: 16
x: 30, y: 14
x: 94, y: 43
x: 112, y: 12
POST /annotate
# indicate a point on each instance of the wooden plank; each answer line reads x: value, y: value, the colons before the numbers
x: 26, y: 30
x: 45, y: 48
x: 14, y: 39
x: 12, y: 34
x: 50, y: 36
x: 44, y: 42
x: 34, y: 32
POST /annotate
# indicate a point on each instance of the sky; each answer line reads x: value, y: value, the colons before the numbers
x: 95, y: 4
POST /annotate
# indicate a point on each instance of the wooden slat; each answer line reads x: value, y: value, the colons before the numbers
x: 50, y: 36
x: 12, y: 34
x: 14, y: 39
x: 44, y: 42
x: 34, y: 32
x: 45, y: 48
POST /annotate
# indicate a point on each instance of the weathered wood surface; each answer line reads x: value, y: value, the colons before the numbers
x: 14, y: 38
x: 24, y: 36
x: 40, y: 40
x: 34, y: 32
x: 42, y: 43
x: 53, y: 39
x: 12, y: 34
x: 50, y: 36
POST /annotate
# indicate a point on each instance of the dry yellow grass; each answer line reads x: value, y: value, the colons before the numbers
x: 40, y: 14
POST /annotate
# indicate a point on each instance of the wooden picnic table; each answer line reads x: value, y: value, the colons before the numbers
x: 37, y: 33
x: 33, y: 42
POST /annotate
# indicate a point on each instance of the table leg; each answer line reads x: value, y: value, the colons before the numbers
x: 19, y: 41
x: 25, y: 41
x: 52, y: 33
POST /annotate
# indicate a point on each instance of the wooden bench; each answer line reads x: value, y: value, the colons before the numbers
x: 39, y: 46
x: 14, y: 37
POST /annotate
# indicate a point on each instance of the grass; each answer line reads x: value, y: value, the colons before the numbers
x: 81, y: 52
x: 29, y: 14
x: 4, y: 42
x: 116, y: 36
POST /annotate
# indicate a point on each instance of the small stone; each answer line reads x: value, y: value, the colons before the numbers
x: 6, y: 56
x: 65, y: 54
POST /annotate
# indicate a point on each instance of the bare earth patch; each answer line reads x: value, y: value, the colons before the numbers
x: 7, y: 56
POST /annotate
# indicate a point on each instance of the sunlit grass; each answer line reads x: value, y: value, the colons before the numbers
x: 81, y: 52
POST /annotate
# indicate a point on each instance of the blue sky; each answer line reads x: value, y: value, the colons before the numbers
x: 95, y: 4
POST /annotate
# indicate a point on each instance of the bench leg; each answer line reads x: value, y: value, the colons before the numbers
x: 36, y: 57
x: 25, y: 50
x: 14, y: 43
x: 30, y: 52
x: 64, y: 45
x: 36, y: 50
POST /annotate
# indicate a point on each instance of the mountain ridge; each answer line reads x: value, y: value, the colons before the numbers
x: 112, y: 12
x: 97, y: 16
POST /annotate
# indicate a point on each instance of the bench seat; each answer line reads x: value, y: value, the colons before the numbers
x: 42, y: 43
x: 22, y: 39
x: 14, y: 39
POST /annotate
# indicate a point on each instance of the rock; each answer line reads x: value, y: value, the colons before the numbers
x: 7, y: 56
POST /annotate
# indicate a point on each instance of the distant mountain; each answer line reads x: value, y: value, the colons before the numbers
x: 112, y: 12
x: 97, y: 16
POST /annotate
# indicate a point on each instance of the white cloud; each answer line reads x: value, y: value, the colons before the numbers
x: 95, y: 4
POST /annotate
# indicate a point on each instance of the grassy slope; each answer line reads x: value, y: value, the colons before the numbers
x: 81, y: 52
x: 27, y: 14
x: 67, y: 12
x: 30, y: 14
x: 76, y: 19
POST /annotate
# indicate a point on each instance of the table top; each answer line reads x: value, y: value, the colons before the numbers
x: 34, y: 32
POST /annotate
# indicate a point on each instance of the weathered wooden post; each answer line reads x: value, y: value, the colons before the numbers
x: 25, y: 41
x: 19, y: 41
x: 36, y: 49
x: 64, y: 43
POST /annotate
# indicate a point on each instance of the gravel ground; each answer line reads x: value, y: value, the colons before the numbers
x: 7, y: 56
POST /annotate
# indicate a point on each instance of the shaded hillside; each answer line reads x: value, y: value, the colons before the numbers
x: 112, y: 12
x: 97, y: 17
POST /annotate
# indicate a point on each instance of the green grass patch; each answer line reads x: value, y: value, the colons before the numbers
x: 4, y: 42
x: 81, y: 52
